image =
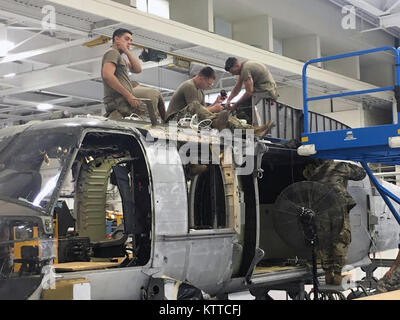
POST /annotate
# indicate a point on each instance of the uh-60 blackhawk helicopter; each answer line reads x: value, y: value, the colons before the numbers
x: 215, y: 226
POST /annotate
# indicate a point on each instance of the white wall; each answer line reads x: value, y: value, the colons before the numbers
x: 293, y: 96
x: 222, y: 27
x: 349, y: 67
x: 351, y: 118
x: 380, y: 74
x: 195, y: 13
x: 377, y: 116
x: 257, y: 32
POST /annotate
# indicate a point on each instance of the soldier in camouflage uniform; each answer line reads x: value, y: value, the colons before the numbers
x: 336, y: 174
x: 391, y: 280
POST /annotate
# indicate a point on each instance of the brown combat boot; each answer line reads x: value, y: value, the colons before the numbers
x: 221, y: 120
x: 337, y: 279
x: 329, y: 277
x: 264, y: 129
x: 115, y: 115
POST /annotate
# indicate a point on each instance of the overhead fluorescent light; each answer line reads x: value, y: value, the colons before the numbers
x: 5, y: 46
x: 44, y: 106
x: 10, y: 75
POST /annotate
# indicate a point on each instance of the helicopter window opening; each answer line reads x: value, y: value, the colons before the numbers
x: 209, y: 210
x: 31, y: 163
x: 109, y: 190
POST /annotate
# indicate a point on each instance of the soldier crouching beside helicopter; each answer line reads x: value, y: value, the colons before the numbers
x: 336, y: 174
x: 391, y: 279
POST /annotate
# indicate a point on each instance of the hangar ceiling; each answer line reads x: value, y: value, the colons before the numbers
x: 61, y: 66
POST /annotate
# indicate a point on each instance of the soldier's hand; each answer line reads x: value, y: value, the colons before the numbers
x: 126, y: 49
x: 122, y: 46
x: 134, y: 102
x: 218, y: 107
x: 388, y: 274
x: 219, y: 99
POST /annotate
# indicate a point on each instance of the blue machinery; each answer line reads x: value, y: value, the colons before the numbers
x: 378, y: 144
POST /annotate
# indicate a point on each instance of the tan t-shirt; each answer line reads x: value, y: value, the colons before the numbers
x: 186, y: 93
x: 262, y: 77
x: 121, y: 72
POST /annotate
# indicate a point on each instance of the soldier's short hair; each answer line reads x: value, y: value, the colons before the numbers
x: 207, y: 72
x: 229, y: 63
x: 119, y: 32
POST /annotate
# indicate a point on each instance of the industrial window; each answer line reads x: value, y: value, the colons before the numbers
x: 157, y: 7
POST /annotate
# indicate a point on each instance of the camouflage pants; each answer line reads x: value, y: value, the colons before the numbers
x: 245, y: 110
x: 203, y: 114
x: 333, y: 258
x: 152, y: 94
x: 389, y: 284
x: 125, y: 109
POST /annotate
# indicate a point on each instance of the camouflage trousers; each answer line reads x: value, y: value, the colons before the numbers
x: 390, y: 283
x: 333, y: 258
x: 245, y: 109
x: 203, y: 114
x: 124, y: 108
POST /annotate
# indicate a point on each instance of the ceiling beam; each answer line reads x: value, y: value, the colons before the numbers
x: 391, y: 20
x: 52, y: 77
x: 367, y: 7
x: 32, y: 53
x: 46, y: 78
x: 8, y: 11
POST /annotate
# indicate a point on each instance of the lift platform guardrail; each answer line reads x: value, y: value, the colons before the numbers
x: 377, y: 144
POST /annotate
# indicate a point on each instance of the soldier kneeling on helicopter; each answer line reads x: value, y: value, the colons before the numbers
x: 189, y: 100
x: 336, y: 174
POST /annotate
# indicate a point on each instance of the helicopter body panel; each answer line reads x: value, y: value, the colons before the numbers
x: 211, y: 229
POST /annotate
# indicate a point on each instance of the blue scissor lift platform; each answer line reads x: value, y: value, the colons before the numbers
x: 377, y: 144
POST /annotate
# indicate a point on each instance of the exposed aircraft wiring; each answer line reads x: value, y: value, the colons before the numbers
x: 192, y: 123
x: 134, y: 116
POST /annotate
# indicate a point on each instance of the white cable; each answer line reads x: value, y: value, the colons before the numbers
x: 134, y: 116
x: 205, y: 124
x: 184, y: 122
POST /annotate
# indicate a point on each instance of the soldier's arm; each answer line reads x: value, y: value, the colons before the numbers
x: 394, y: 266
x: 249, y: 86
x: 235, y: 91
x: 355, y: 172
x: 108, y: 74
